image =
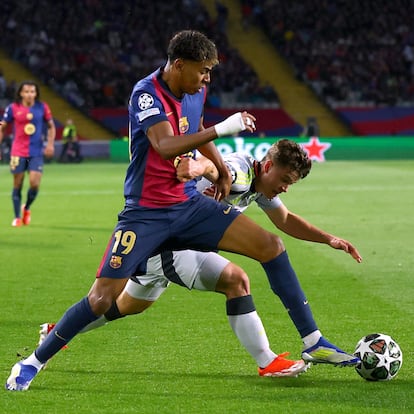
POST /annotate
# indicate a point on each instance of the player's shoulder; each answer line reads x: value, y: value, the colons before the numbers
x: 239, y: 160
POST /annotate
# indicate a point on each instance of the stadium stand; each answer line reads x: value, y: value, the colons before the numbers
x: 357, y: 56
x: 91, y: 52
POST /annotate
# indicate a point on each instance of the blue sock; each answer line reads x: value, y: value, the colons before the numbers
x: 31, y: 195
x: 285, y: 284
x: 17, y: 199
x: 74, y: 319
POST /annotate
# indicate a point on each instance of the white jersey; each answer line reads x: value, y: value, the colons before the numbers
x: 194, y: 269
x: 243, y: 172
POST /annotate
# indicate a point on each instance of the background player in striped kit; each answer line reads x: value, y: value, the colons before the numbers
x: 29, y: 116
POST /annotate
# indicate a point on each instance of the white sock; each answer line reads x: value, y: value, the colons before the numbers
x: 97, y: 323
x: 250, y: 331
x: 311, y: 339
x: 32, y: 360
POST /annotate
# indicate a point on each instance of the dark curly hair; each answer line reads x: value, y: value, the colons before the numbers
x: 287, y: 153
x: 192, y: 45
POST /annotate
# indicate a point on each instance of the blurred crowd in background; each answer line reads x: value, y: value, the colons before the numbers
x: 92, y: 52
x: 351, y: 52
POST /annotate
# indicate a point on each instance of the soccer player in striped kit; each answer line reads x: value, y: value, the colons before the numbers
x: 29, y: 116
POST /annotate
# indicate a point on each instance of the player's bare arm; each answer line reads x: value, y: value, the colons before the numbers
x: 163, y: 140
x: 189, y: 168
x: 51, y: 134
x: 296, y: 226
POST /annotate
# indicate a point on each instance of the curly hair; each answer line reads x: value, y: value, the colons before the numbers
x: 287, y: 153
x: 192, y: 45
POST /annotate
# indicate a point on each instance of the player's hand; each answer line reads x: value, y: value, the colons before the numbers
x: 347, y: 247
x: 238, y: 122
x: 188, y: 168
x: 49, y: 151
x: 210, y: 191
x: 222, y: 187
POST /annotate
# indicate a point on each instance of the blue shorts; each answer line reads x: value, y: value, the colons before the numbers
x: 22, y: 164
x: 197, y: 224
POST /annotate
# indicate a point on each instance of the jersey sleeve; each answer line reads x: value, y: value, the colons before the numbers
x: 266, y: 204
x: 147, y: 109
x: 48, y: 113
x: 8, y: 114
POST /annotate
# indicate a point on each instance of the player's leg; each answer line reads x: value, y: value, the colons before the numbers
x: 18, y: 169
x: 246, y: 323
x: 137, y: 296
x: 35, y: 176
x: 246, y: 237
x: 88, y: 309
x: 208, y: 271
x: 123, y: 257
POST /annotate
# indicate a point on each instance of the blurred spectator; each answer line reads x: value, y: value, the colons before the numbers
x: 311, y: 128
x: 3, y: 85
x: 70, y: 148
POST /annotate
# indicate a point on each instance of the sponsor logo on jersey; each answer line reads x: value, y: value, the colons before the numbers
x: 183, y: 125
x: 145, y: 101
x: 115, y: 262
x: 227, y: 210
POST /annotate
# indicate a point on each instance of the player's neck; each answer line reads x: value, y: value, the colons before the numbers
x: 167, y: 76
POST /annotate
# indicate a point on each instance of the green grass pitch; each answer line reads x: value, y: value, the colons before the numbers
x: 181, y: 355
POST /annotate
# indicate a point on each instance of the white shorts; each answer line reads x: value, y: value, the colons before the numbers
x: 189, y: 268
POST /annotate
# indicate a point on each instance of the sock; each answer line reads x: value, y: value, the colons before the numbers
x: 17, y: 200
x: 101, y: 321
x: 248, y: 328
x: 74, y: 319
x: 31, y: 195
x: 33, y: 361
x: 285, y: 284
x: 311, y: 339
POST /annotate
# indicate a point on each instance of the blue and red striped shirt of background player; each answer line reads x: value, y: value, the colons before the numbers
x: 28, y: 127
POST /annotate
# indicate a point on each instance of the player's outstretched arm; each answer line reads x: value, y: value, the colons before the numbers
x: 296, y: 226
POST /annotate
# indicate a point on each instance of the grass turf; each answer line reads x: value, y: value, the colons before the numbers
x: 181, y: 356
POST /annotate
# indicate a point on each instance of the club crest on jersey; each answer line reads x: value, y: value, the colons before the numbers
x: 29, y: 116
x: 115, y: 262
x: 183, y: 125
x: 145, y: 101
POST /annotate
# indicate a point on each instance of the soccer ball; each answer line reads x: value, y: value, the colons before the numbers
x: 381, y: 357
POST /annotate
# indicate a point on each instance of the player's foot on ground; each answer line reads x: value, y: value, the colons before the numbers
x: 17, y: 222
x: 20, y: 377
x: 26, y: 215
x: 282, y: 367
x: 323, y: 352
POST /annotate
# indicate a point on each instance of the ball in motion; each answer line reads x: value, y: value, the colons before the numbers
x: 381, y: 357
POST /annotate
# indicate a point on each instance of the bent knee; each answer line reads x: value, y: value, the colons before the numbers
x: 270, y: 247
x: 99, y: 303
x: 233, y: 282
